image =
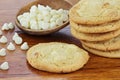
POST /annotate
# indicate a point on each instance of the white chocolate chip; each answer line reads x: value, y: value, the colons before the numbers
x: 11, y: 26
x: 11, y: 46
x: 33, y: 16
x: 14, y: 36
x: 53, y: 12
x: 60, y: 11
x: 3, y: 39
x: 47, y: 19
x: 3, y: 52
x: 40, y: 17
x: 43, y: 17
x: 48, y: 8
x: 4, y: 66
x: 45, y: 26
x: 52, y: 24
x: 26, y: 15
x: 64, y: 17
x: 24, y: 22
x: 18, y: 40
x: 40, y: 25
x: 24, y: 46
x: 59, y: 22
x: 41, y: 7
x: 33, y: 24
x: 52, y: 19
x: 45, y: 12
x: 20, y: 17
x: 33, y: 9
x: 5, y: 26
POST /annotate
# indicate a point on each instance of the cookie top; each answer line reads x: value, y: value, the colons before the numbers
x: 107, y: 27
x: 93, y: 36
x: 112, y: 44
x: 95, y: 12
x: 109, y: 54
x: 57, y: 57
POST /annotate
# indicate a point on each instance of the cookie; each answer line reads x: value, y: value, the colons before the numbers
x: 109, y: 54
x: 96, y: 29
x: 112, y: 44
x: 95, y: 37
x: 93, y: 12
x: 57, y: 57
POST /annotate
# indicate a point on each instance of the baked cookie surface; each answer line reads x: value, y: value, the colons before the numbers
x: 109, y: 54
x: 95, y: 37
x: 57, y: 57
x: 96, y: 29
x: 112, y: 44
x: 95, y: 11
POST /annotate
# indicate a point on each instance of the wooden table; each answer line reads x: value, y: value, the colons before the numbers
x: 98, y: 68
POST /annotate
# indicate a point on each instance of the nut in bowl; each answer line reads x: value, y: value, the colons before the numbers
x: 43, y: 17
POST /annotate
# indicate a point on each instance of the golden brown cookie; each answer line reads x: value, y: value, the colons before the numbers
x: 109, y: 54
x: 96, y: 29
x: 95, y: 37
x: 95, y: 12
x: 57, y: 57
x: 112, y: 44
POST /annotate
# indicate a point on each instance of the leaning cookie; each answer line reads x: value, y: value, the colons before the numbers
x: 93, y: 12
x: 93, y: 36
x: 112, y: 44
x: 57, y: 57
x: 109, y: 54
x: 107, y: 27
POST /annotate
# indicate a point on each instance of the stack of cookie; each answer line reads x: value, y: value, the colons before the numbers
x: 97, y: 24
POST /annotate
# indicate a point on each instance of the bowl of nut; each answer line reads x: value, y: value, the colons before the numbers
x: 43, y: 17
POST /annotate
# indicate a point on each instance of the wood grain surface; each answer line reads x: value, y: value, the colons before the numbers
x: 98, y: 68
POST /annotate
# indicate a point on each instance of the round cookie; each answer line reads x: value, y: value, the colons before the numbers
x: 112, y: 44
x: 93, y: 12
x: 95, y: 37
x: 96, y: 29
x: 57, y: 57
x: 109, y: 54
